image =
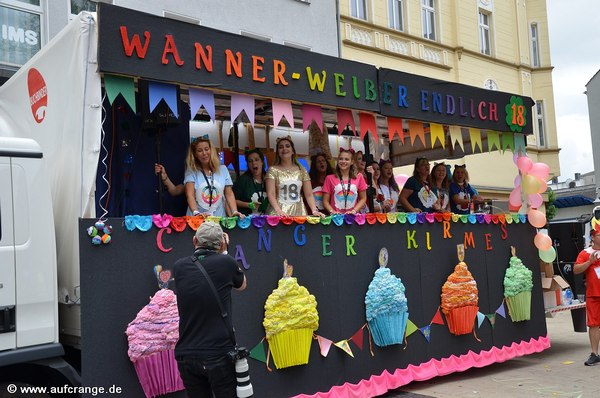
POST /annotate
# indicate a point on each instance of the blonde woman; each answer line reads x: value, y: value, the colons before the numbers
x: 287, y: 181
x: 207, y: 182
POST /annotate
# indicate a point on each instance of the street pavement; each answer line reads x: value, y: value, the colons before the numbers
x: 555, y: 372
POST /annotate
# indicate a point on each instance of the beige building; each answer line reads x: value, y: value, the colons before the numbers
x: 496, y: 44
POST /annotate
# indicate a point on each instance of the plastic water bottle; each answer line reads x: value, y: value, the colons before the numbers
x: 568, y: 296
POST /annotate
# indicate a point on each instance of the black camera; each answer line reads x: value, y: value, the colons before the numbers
x: 237, y: 354
x: 242, y: 371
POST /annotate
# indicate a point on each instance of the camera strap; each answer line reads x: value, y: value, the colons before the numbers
x: 224, y: 314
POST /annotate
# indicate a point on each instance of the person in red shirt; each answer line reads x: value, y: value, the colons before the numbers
x: 588, y: 261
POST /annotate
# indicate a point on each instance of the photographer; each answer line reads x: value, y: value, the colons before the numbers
x: 206, y: 339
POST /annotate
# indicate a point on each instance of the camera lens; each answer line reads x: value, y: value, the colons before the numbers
x: 242, y: 376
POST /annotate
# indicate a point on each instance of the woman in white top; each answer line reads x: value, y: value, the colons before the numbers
x: 388, y: 187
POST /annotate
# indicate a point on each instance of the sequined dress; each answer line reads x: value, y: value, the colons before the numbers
x: 288, y: 188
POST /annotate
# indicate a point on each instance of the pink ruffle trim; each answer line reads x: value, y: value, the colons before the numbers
x: 378, y: 385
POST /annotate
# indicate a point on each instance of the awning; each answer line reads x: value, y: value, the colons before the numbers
x: 572, y: 201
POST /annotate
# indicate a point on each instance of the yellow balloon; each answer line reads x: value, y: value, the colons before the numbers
x: 530, y: 184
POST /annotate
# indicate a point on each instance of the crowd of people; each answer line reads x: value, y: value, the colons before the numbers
x: 287, y: 189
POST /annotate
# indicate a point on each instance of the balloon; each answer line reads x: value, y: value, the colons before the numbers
x: 540, y: 170
x: 515, y: 197
x: 543, y: 186
x: 524, y: 164
x: 535, y: 200
x: 547, y: 255
x: 518, y: 180
x: 530, y: 184
x: 536, y: 218
x: 401, y: 179
x: 516, y: 157
x: 542, y: 241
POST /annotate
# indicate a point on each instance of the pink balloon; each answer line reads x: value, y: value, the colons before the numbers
x: 535, y: 200
x: 540, y: 170
x: 516, y: 157
x: 517, y: 180
x: 401, y: 179
x: 524, y: 164
x: 515, y: 197
x: 536, y: 218
x: 530, y: 184
x: 543, y: 186
x: 542, y: 241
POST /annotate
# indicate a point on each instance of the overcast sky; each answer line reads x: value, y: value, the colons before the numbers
x: 575, y: 55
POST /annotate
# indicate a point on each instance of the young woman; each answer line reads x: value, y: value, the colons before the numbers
x: 249, y: 189
x: 360, y: 163
x: 207, y: 182
x: 388, y: 187
x: 287, y: 181
x: 439, y: 184
x: 345, y: 191
x: 378, y: 200
x: 417, y: 195
x: 461, y: 192
x: 319, y: 169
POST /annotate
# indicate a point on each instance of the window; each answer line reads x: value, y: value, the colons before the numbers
x: 484, y: 33
x: 396, y: 14
x: 428, y: 14
x: 358, y: 9
x: 539, y: 115
x: 535, y: 46
x: 82, y: 5
x: 20, y: 32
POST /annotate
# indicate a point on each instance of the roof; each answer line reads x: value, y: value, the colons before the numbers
x: 572, y: 201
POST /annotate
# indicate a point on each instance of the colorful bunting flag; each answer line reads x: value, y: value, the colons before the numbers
x: 520, y: 145
x: 415, y: 129
x: 456, y: 136
x: 345, y: 118
x: 437, y: 318
x: 282, y: 108
x: 475, y: 136
x: 367, y: 123
x: 508, y: 141
x: 310, y: 113
x: 410, y: 328
x: 324, y: 345
x: 258, y: 352
x: 395, y: 126
x: 437, y: 134
x: 242, y: 102
x: 480, y: 318
x: 202, y: 98
x: 345, y: 347
x: 426, y: 330
x: 493, y: 140
x: 125, y: 86
x: 357, y: 338
x: 492, y: 318
x: 159, y: 91
x: 500, y: 311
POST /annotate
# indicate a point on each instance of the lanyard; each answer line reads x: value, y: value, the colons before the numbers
x: 345, y: 191
x: 210, y: 186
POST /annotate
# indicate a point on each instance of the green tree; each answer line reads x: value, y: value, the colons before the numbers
x: 550, y: 208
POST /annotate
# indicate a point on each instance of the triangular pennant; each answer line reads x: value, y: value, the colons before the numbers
x: 426, y: 330
x: 520, y: 145
x: 345, y: 119
x: 345, y: 346
x: 367, y: 123
x: 475, y: 136
x: 493, y: 139
x: 437, y: 318
x: 410, y: 328
x: 242, y: 102
x: 258, y: 352
x: 158, y: 91
x: 357, y: 338
x: 508, y: 141
x: 395, y: 126
x: 437, y: 134
x: 202, y: 98
x: 415, y: 129
x: 456, y: 136
x: 310, y: 113
x: 324, y: 345
x: 125, y: 86
x: 501, y: 311
x: 282, y: 108
x: 492, y: 318
x: 480, y: 318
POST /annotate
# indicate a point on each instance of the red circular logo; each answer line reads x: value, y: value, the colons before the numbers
x: 38, y: 94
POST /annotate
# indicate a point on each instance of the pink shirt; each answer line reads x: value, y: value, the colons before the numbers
x: 343, y: 196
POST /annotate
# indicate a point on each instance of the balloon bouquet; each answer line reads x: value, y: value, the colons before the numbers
x: 530, y: 183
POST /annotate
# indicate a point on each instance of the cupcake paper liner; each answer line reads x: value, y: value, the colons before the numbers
x: 519, y: 307
x: 158, y: 374
x: 461, y: 320
x: 291, y: 347
x: 389, y: 328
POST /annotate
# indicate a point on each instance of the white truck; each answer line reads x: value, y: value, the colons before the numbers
x: 50, y: 127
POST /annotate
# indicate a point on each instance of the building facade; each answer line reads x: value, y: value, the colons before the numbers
x: 499, y: 45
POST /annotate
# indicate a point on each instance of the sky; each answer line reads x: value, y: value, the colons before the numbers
x: 575, y: 55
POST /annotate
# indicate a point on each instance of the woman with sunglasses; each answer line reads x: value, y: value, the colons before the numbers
x: 461, y: 192
x: 287, y: 181
x: 439, y: 184
x: 207, y: 182
x: 320, y: 168
x: 417, y: 195
x: 344, y: 192
x: 249, y: 189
